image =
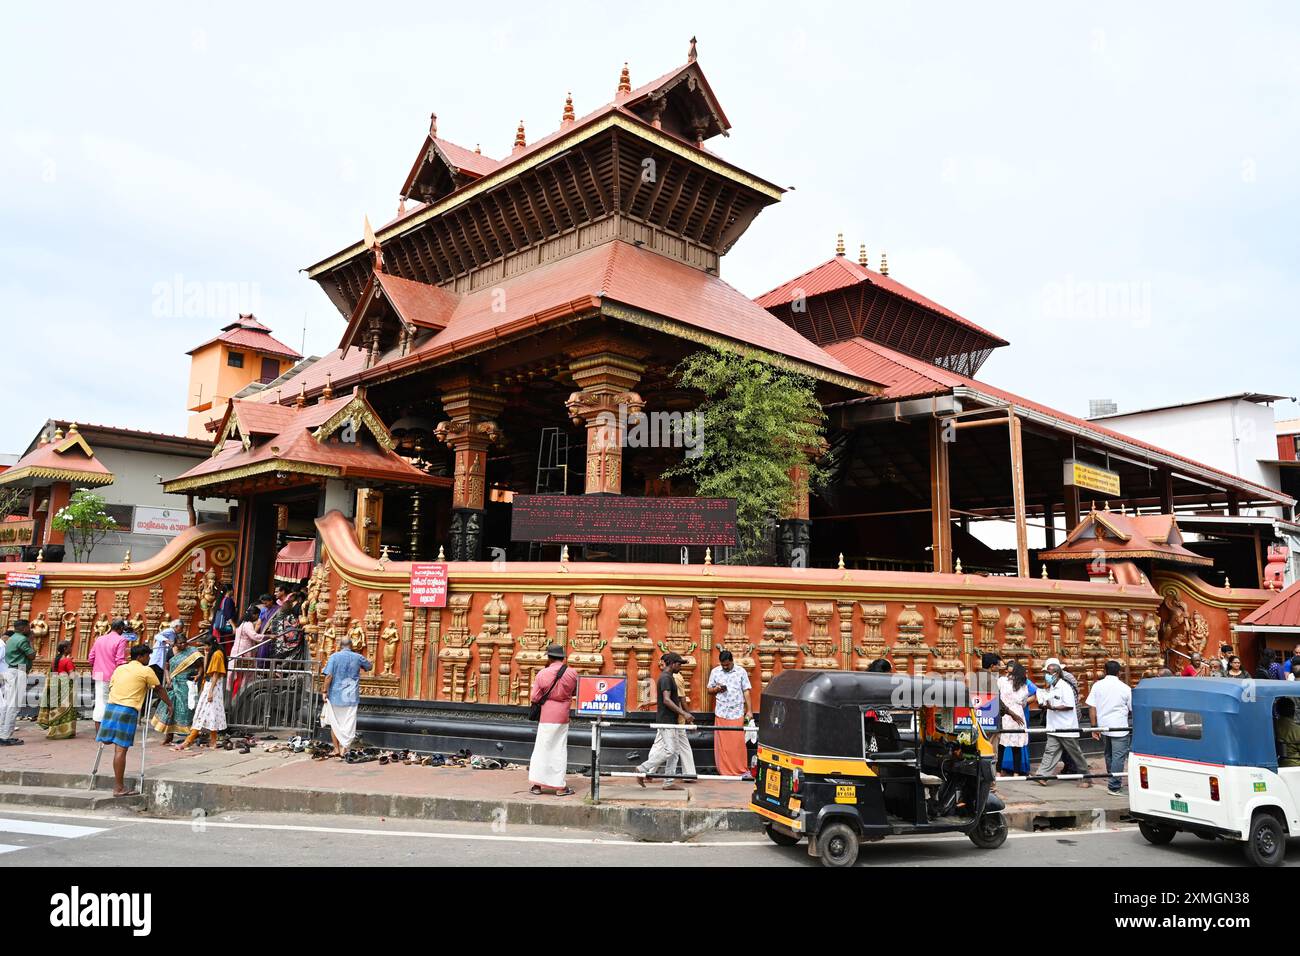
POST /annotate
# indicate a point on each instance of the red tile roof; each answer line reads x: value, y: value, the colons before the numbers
x: 1118, y: 536
x: 69, y: 459
x: 1282, y: 610
x: 418, y: 303
x: 613, y: 272
x: 248, y: 333
x: 907, y: 377
x: 841, y: 272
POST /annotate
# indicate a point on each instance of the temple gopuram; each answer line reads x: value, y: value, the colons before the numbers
x: 517, y: 305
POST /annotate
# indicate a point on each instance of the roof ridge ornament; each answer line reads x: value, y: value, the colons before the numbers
x: 624, y: 83
x: 884, y: 263
x: 328, y: 391
x: 862, y: 256
x: 433, y: 125
x: 839, y: 243
x: 520, y: 141
x: 372, y: 243
x: 691, y: 53
x: 568, y: 118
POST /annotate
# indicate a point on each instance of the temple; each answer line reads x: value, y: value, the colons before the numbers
x: 515, y: 306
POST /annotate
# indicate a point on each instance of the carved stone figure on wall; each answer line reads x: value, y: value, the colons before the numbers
x: 392, y: 641
x: 1175, y: 620
x: 37, y: 634
x: 358, y: 635
x: 208, y: 595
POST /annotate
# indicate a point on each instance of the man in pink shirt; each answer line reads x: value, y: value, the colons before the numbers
x: 106, y: 655
x: 554, y: 688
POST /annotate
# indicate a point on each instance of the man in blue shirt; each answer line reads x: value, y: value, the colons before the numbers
x: 342, y: 693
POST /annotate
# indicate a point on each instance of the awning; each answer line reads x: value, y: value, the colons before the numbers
x: 295, y: 560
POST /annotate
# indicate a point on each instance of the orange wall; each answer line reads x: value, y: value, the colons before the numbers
x: 218, y: 380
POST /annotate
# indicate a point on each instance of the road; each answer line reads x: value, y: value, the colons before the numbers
x: 58, y: 838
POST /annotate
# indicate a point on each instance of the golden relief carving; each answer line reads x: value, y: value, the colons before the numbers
x: 392, y: 644
x: 736, y: 639
x: 911, y: 645
x: 494, y: 638
x: 155, y: 615
x: 844, y: 612
x: 946, y: 617
x: 677, y: 640
x: 86, y: 632
x: 777, y: 643
x: 873, y: 641
x: 1013, y: 635
x: 455, y: 655
x: 586, y: 656
x: 38, y: 633
x: 374, y: 622
x: 819, y: 653
x: 532, y: 658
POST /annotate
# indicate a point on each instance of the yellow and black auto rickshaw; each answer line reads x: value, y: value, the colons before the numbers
x: 847, y: 757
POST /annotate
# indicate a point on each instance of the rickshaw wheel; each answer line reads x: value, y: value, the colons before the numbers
x: 837, y: 845
x: 990, y: 833
x: 1266, y: 843
x: 1156, y: 834
x: 779, y: 837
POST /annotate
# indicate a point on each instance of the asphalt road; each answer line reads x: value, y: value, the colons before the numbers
x: 54, y: 838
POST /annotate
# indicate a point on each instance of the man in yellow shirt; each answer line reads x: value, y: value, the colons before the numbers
x: 130, y: 685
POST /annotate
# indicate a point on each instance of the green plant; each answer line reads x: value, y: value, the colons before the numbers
x: 84, y: 521
x: 757, y: 423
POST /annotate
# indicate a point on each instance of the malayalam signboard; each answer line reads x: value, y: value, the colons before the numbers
x: 621, y: 519
x: 17, y: 533
x: 1091, y: 477
x: 24, y: 580
x: 164, y: 522
x: 428, y: 584
x: 602, y: 696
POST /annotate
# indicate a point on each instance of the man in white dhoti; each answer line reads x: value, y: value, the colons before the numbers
x: 553, y: 689
x: 342, y: 694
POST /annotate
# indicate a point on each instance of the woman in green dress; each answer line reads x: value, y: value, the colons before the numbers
x: 57, y: 714
x: 185, y: 666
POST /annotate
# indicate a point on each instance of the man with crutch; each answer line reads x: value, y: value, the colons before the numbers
x: 130, y: 685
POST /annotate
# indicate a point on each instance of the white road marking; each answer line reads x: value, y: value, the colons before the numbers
x: 34, y: 828
x: 9, y: 848
x: 206, y: 823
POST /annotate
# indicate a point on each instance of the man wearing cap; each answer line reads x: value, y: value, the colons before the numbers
x: 126, y: 695
x: 553, y: 688
x: 342, y: 694
x: 669, y: 740
x: 106, y: 655
x: 1060, y: 702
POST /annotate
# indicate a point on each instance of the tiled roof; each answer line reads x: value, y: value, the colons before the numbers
x: 1282, y: 610
x: 841, y: 272
x: 1120, y: 536
x: 419, y: 303
x: 255, y: 340
x: 69, y: 459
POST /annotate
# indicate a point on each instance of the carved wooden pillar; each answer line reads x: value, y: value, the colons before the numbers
x: 794, y: 530
x: 940, y: 498
x: 606, y: 378
x: 469, y: 431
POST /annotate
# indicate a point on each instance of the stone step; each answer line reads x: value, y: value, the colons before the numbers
x: 66, y: 798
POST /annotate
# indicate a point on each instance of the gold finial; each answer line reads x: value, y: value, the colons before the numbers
x: 328, y: 391
x: 708, y: 561
x: 126, y: 561
x: 958, y: 568
x: 1110, y: 575
x: 442, y: 555
x: 478, y: 148
x: 839, y: 565
x: 520, y: 142
x: 301, y: 400
x: 839, y: 243
x: 862, y: 256
x: 1106, y: 506
x: 383, y: 558
x: 564, y: 558
x: 58, y: 433
x: 1227, y: 584
x: 568, y: 116
x: 624, y: 81
x: 1044, y: 574
x: 691, y: 53
x: 72, y: 428
x: 884, y: 264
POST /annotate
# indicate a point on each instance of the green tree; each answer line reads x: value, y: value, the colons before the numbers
x: 84, y: 521
x: 757, y: 422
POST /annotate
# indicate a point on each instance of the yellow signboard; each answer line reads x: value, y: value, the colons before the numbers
x: 1092, y: 478
x: 14, y: 533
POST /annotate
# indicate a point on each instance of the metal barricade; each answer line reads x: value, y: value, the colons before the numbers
x: 273, y: 694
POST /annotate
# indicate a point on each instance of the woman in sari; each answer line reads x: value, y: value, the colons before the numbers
x: 183, y: 669
x: 58, y: 711
x: 210, y: 714
x: 284, y: 630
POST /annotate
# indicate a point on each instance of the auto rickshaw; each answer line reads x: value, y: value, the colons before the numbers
x: 1205, y: 762
x: 847, y: 757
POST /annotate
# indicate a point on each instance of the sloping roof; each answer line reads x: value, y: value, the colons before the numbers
x: 248, y: 333
x: 1118, y: 536
x: 613, y: 273
x: 67, y: 458
x: 911, y: 378
x: 300, y: 441
x: 840, y: 272
x: 1281, y: 610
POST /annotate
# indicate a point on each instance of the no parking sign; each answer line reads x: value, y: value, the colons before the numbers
x: 602, y: 696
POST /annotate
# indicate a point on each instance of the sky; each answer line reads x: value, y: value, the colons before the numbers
x: 1111, y: 187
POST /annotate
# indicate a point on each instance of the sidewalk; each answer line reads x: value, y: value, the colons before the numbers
x: 57, y: 773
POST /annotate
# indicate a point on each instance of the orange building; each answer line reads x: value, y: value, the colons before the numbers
x: 244, y: 352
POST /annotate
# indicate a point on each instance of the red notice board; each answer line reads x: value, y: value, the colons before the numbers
x: 428, y: 584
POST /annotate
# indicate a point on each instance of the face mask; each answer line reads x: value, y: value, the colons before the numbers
x: 1051, y: 679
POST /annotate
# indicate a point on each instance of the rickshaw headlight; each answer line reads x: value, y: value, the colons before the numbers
x: 1142, y: 772
x: 1214, y: 788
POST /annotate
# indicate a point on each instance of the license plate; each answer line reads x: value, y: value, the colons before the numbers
x: 1179, y: 805
x: 846, y: 794
x: 772, y: 783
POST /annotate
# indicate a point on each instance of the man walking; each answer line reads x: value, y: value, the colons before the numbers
x: 668, y: 740
x: 1110, y: 704
x: 553, y: 688
x: 1059, y: 700
x: 342, y: 694
x: 130, y: 685
x: 19, y: 655
x: 106, y: 655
